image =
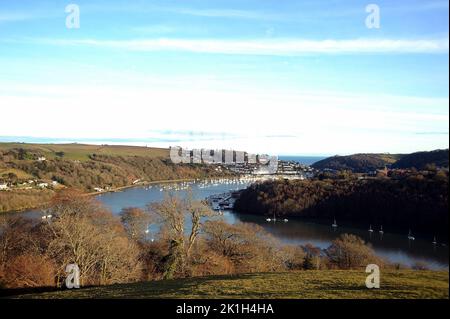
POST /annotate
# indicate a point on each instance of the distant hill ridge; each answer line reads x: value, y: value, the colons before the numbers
x: 422, y: 160
x: 366, y: 162
x: 357, y: 162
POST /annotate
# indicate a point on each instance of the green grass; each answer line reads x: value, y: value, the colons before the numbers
x: 81, y: 152
x: 322, y: 284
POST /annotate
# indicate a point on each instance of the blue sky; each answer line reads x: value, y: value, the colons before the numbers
x: 285, y: 77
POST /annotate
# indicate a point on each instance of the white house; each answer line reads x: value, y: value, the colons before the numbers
x: 41, y: 159
x: 3, y: 187
x: 42, y: 185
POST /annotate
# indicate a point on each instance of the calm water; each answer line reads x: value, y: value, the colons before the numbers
x: 395, y: 247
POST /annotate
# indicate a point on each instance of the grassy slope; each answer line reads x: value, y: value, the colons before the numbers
x: 22, y: 199
x: 82, y: 151
x: 404, y: 284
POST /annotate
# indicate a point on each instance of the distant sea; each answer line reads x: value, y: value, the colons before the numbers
x: 307, y: 160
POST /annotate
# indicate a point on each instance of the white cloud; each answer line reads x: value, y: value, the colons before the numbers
x: 296, y: 123
x: 285, y: 47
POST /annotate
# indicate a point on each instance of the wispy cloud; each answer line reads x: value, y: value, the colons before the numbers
x: 285, y: 47
x: 211, y: 12
x: 432, y: 133
x: 226, y: 13
x: 14, y: 16
x: 307, y: 10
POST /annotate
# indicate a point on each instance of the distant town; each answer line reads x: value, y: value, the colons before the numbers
x: 243, y: 163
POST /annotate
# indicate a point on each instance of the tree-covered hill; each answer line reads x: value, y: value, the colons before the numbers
x: 362, y: 163
x: 416, y: 202
x: 359, y: 163
x: 423, y: 160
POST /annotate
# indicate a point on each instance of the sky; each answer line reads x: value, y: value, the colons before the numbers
x: 267, y: 76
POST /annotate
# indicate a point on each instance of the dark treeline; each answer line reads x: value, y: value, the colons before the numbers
x: 362, y: 163
x: 359, y: 163
x: 415, y: 202
x: 423, y: 160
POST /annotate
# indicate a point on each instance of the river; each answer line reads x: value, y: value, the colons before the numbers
x: 394, y: 247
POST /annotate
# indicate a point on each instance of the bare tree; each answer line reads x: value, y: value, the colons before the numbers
x: 349, y: 251
x: 197, y: 211
x: 84, y: 233
x: 172, y: 212
x: 248, y: 246
x: 136, y: 222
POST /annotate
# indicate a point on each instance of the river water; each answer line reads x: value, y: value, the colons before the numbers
x: 394, y: 247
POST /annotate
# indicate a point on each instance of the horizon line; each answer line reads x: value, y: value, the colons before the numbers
x: 99, y: 142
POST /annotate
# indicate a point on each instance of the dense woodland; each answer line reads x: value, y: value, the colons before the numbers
x: 418, y: 201
x: 362, y: 163
x: 359, y: 163
x: 423, y: 160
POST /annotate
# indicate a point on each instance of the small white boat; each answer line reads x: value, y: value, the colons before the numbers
x: 410, y: 236
x: 370, y: 229
x: 434, y: 241
x: 381, y: 231
x: 285, y: 220
x: 268, y: 220
x: 334, y: 225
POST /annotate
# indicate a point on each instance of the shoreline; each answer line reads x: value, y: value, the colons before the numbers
x: 114, y: 190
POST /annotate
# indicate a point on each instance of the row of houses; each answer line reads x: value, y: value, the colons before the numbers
x: 28, y: 185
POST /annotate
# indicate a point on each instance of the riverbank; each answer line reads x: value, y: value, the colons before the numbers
x: 320, y: 284
x: 112, y: 190
x: 31, y: 168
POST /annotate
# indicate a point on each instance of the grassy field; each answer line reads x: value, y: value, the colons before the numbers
x: 81, y: 152
x: 395, y: 284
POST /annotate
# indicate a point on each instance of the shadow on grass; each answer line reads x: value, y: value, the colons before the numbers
x: 5, y: 293
x: 174, y: 288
